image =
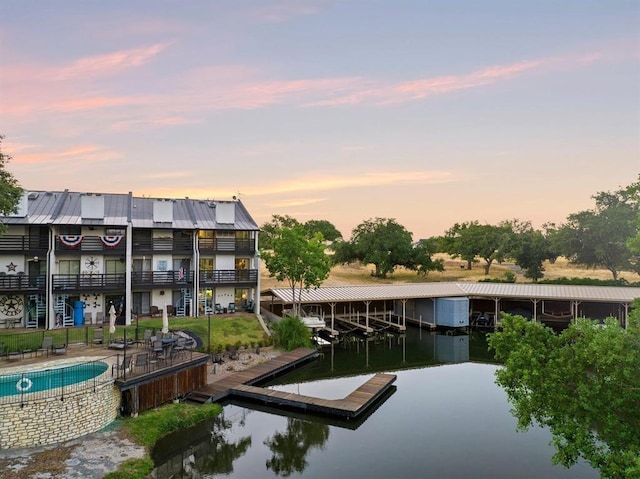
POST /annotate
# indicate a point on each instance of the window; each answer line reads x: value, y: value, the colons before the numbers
x: 69, y: 266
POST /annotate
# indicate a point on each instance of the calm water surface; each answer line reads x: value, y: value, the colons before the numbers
x: 445, y: 419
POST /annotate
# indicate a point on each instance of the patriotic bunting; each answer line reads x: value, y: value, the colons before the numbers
x: 71, y: 241
x: 111, y: 241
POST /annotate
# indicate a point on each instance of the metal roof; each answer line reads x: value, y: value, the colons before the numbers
x: 338, y: 294
x: 65, y: 208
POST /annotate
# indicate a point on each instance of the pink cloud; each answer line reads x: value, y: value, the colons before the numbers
x: 86, y: 153
x: 383, y: 94
x: 108, y: 63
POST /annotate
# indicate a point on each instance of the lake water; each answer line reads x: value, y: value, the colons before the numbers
x: 445, y: 418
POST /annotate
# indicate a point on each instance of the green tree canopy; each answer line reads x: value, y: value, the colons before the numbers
x: 422, y: 257
x: 328, y: 231
x: 471, y: 241
x: 297, y: 259
x: 584, y: 384
x: 271, y: 228
x: 529, y: 248
x: 10, y: 190
x: 598, y: 237
x: 381, y: 242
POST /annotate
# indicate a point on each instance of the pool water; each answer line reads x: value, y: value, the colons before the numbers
x: 45, y: 379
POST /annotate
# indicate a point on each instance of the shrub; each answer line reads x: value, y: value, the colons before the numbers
x: 291, y: 333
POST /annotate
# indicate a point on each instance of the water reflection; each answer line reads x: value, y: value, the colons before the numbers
x: 290, y: 448
x: 440, y: 421
x: 208, y: 450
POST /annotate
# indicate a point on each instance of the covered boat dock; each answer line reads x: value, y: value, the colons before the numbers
x: 399, y: 304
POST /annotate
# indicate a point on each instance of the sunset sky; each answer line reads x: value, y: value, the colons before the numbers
x: 429, y: 112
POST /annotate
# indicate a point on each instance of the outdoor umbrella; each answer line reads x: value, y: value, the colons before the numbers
x: 112, y: 319
x: 165, y: 320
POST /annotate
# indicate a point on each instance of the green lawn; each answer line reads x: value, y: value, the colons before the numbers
x: 225, y: 331
x: 222, y: 332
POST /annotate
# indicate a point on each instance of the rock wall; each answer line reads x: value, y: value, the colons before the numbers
x: 52, y: 420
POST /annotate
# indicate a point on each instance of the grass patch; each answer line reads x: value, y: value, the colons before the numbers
x: 150, y: 426
x: 132, y: 469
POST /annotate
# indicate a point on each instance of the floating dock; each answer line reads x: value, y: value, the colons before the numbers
x: 241, y: 384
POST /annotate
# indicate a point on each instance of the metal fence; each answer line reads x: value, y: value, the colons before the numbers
x: 32, y: 343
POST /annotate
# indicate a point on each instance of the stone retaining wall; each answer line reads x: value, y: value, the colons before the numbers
x: 52, y: 420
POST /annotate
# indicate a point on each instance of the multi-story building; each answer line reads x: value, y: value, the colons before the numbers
x: 66, y: 252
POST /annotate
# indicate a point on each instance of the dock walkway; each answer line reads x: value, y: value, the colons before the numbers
x: 241, y: 384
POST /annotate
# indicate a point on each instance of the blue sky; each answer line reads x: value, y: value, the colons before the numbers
x: 429, y: 112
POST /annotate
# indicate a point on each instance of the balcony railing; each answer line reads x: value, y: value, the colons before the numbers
x: 141, y: 279
x: 228, y: 276
x: 91, y: 244
x: 19, y: 244
x: 22, y: 283
x: 226, y: 244
x: 89, y: 282
x: 174, y: 245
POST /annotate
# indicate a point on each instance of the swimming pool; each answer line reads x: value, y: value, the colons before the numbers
x: 45, y: 379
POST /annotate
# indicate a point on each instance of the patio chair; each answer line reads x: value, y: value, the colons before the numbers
x: 180, y: 347
x: 166, y: 353
x: 47, y: 345
x: 99, y: 317
x: 15, y: 355
x: 146, y: 338
x: 250, y: 306
x: 122, y: 367
x: 157, y: 347
x: 218, y: 308
x: 171, y: 310
x: 232, y: 307
x: 141, y: 362
x: 98, y: 336
x: 62, y: 349
x: 155, y: 311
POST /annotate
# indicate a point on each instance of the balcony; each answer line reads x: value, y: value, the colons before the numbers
x: 237, y: 277
x: 166, y: 245
x: 22, y: 283
x: 107, y: 245
x: 23, y: 244
x: 227, y: 245
x: 89, y: 282
x: 165, y: 279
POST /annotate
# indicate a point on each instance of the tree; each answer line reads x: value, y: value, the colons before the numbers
x: 598, y: 237
x: 472, y: 240
x: 10, y: 190
x: 633, y: 244
x: 297, y: 259
x: 328, y: 230
x: 270, y: 228
x: 421, y: 258
x: 529, y: 248
x: 381, y: 242
x: 583, y: 384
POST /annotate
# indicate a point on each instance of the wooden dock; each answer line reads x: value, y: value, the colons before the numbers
x: 241, y: 384
x: 351, y: 406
